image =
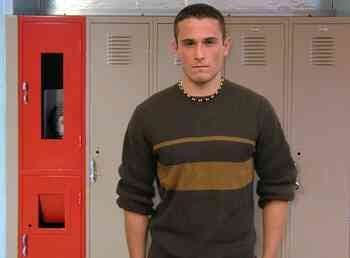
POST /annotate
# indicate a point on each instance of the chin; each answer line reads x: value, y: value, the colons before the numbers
x: 202, y: 79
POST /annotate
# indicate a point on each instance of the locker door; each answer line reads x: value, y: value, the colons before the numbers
x: 256, y: 61
x: 320, y: 136
x: 51, y: 137
x: 51, y: 224
x: 168, y: 67
x: 51, y: 89
x: 119, y: 80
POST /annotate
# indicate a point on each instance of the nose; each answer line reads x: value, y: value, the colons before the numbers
x: 199, y: 53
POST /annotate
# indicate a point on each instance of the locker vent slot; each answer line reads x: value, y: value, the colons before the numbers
x: 253, y: 50
x: 322, y: 51
x: 118, y: 50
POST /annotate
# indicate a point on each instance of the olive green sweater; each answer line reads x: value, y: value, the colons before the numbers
x: 203, y: 157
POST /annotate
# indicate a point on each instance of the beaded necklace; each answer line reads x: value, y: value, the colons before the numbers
x: 200, y: 98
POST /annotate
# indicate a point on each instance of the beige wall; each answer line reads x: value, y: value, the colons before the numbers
x: 11, y: 137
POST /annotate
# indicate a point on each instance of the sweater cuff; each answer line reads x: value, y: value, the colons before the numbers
x: 284, y: 193
x: 133, y: 199
x: 263, y: 202
x: 133, y: 206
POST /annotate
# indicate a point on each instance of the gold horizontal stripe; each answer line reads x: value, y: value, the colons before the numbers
x: 203, y: 139
x: 206, y: 175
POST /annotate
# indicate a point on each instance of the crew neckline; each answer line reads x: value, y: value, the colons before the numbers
x: 211, y: 101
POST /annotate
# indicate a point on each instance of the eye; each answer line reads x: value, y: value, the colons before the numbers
x: 210, y: 41
x: 188, y: 43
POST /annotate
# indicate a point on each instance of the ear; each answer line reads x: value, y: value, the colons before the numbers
x: 173, y: 46
x: 227, y: 45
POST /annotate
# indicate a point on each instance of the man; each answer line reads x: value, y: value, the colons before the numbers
x: 201, y: 141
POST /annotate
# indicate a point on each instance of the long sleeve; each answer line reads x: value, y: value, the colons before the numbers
x: 273, y: 161
x: 137, y: 170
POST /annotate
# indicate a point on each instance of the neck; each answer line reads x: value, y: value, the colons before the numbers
x: 201, y: 89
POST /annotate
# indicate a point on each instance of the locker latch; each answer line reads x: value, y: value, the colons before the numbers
x: 298, y: 185
x: 25, y: 90
x: 24, y: 245
x: 92, y: 172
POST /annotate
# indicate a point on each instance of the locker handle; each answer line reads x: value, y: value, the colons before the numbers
x: 92, y: 172
x: 24, y: 245
x: 25, y: 90
x: 298, y: 185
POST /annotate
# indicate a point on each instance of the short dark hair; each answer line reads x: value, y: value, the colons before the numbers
x: 199, y: 11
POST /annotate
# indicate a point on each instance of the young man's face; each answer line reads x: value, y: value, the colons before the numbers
x: 201, y: 48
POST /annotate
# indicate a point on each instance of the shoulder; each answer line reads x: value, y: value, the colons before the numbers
x: 246, y: 94
x: 156, y: 101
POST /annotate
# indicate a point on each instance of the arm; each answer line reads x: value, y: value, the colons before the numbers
x: 274, y: 220
x: 135, y: 187
x: 136, y: 234
x: 277, y: 177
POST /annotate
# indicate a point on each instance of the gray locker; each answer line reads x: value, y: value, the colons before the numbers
x: 257, y: 60
x: 320, y: 137
x: 168, y: 67
x: 119, y: 79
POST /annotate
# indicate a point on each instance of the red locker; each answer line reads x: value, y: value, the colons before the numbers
x: 51, y: 75
x: 52, y: 137
x: 51, y: 216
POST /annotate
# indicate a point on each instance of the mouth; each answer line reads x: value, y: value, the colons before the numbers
x: 199, y: 66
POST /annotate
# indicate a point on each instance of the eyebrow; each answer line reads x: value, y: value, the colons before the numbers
x: 193, y: 40
x: 211, y: 38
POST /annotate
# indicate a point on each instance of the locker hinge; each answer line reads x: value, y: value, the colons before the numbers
x: 80, y: 141
x: 79, y: 198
